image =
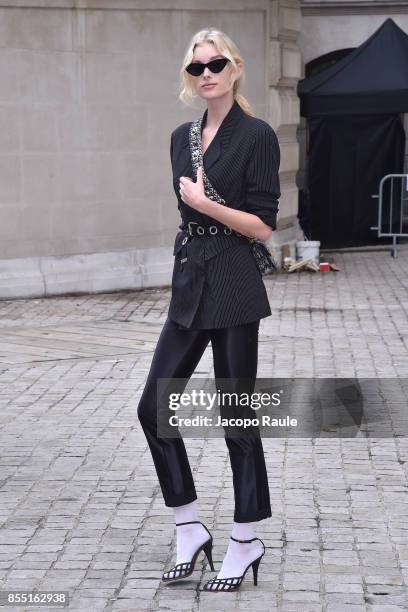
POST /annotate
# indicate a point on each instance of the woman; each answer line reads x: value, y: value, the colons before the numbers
x: 218, y: 295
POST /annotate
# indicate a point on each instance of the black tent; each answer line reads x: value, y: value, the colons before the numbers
x: 356, y: 135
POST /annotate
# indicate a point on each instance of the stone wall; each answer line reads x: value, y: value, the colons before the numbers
x: 285, y: 71
x: 88, y: 99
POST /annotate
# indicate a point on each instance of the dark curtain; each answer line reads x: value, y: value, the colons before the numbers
x: 348, y: 156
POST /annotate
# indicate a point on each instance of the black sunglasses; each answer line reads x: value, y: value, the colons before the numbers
x: 215, y: 66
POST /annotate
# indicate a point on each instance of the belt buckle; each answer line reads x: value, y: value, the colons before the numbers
x: 188, y: 226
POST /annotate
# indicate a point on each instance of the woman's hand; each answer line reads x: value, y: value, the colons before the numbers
x: 192, y: 193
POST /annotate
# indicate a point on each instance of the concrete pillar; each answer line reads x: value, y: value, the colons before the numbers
x: 284, y: 113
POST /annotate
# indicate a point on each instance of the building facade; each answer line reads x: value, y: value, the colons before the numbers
x: 88, y: 99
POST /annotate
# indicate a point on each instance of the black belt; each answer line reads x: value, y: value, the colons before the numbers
x: 195, y: 229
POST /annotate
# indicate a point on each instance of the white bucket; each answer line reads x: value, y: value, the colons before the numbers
x: 308, y: 249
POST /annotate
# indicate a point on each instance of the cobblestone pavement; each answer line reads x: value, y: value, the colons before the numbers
x: 80, y: 506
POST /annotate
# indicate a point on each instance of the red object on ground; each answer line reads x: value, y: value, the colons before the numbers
x: 324, y: 266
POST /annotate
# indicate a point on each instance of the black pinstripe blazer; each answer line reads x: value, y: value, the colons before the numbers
x: 218, y: 284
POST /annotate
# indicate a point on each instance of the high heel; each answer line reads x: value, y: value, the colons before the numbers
x: 183, y: 570
x: 255, y: 566
x: 233, y: 584
x: 207, y: 548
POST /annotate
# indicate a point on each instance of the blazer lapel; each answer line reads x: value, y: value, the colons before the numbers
x: 212, y: 153
x: 218, y: 144
x: 223, y: 135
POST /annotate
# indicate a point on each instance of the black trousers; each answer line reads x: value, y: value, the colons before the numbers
x: 235, y: 353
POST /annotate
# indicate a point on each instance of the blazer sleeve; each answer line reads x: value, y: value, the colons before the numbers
x: 171, y: 160
x: 262, y: 186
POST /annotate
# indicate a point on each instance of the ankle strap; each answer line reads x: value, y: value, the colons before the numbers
x: 243, y: 541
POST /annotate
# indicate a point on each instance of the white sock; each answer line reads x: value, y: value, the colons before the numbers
x: 243, y: 531
x: 189, y: 537
x: 239, y: 556
x: 188, y: 512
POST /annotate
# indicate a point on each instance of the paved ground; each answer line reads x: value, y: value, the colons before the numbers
x: 80, y: 508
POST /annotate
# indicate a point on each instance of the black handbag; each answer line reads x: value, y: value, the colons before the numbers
x: 263, y: 257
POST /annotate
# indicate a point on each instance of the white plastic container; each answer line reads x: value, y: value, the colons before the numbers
x: 308, y: 249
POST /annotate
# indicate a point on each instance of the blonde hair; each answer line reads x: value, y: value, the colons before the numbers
x: 227, y: 48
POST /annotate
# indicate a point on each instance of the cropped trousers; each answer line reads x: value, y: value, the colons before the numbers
x: 235, y: 353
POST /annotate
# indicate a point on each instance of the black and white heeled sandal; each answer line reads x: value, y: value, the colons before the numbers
x: 218, y: 585
x: 183, y: 570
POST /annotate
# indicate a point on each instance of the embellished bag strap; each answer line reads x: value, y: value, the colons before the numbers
x: 260, y: 251
x: 197, y: 160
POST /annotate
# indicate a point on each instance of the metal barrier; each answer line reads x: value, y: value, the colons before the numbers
x: 392, y: 208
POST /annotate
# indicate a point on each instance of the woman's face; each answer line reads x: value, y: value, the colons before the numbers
x: 220, y: 82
